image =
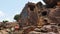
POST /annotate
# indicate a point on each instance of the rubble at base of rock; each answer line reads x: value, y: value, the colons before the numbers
x: 47, y: 29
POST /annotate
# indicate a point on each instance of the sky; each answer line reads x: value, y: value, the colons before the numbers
x: 9, y: 8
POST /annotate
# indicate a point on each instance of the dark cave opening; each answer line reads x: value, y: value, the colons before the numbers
x: 31, y: 7
x: 44, y: 13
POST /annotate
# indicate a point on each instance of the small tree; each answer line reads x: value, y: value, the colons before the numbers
x: 17, y: 17
x: 5, y: 21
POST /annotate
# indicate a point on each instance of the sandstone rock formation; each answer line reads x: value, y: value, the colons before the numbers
x: 41, y: 16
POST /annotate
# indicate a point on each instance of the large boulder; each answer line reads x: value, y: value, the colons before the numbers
x: 50, y: 3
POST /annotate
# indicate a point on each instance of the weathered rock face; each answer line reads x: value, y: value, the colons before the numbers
x: 28, y: 15
x: 40, y: 16
x: 54, y: 15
